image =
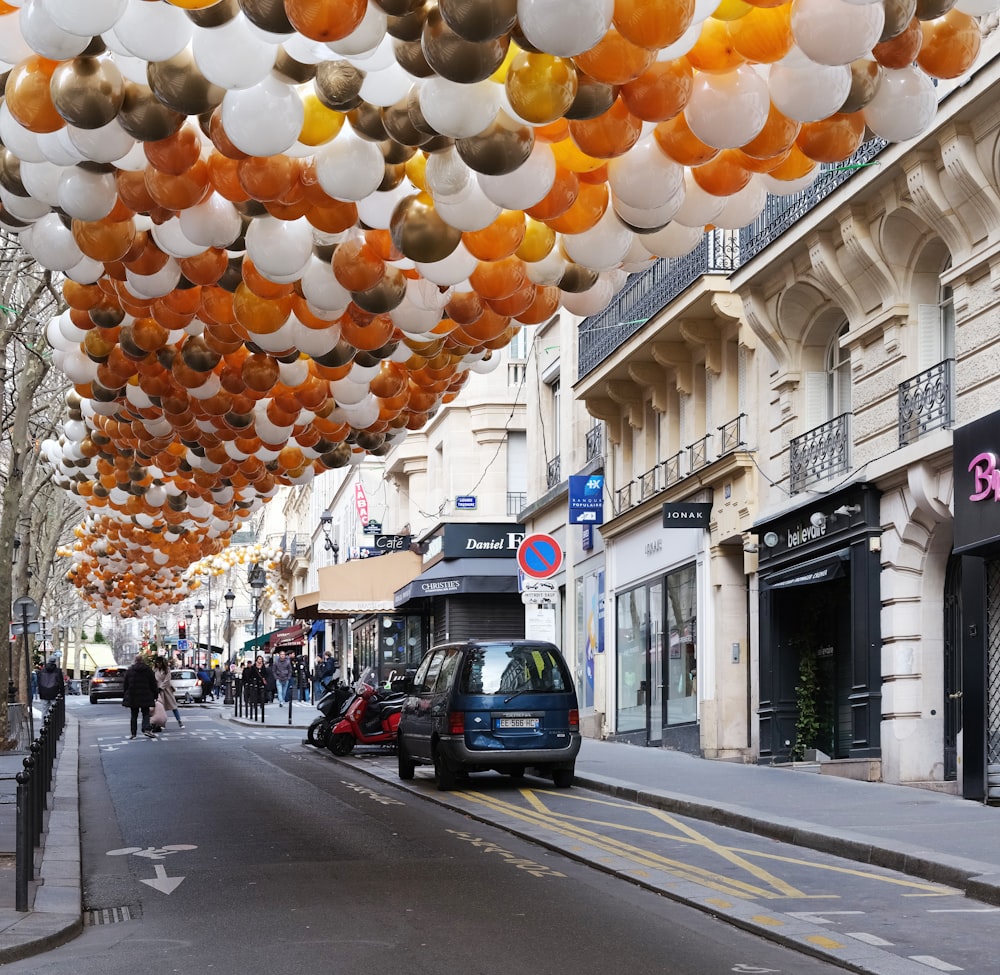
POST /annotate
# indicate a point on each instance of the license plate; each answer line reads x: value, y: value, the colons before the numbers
x: 531, y: 723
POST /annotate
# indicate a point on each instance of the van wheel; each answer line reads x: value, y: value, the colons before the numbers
x: 93, y: 700
x: 444, y: 778
x: 562, y: 777
x: 404, y: 764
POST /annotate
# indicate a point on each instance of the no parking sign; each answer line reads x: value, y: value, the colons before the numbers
x: 539, y: 556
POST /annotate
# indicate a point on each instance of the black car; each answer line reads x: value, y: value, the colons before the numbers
x: 107, y: 682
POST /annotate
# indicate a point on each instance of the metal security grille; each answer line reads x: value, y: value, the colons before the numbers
x: 993, y: 663
x: 109, y: 915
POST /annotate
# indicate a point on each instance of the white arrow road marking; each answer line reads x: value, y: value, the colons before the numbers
x: 163, y: 883
x: 817, y: 917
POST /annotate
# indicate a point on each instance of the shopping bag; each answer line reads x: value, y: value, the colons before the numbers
x: 158, y: 719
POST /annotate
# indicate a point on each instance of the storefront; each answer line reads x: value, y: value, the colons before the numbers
x: 658, y: 571
x: 469, y: 586
x: 973, y: 683
x: 388, y: 643
x: 819, y: 629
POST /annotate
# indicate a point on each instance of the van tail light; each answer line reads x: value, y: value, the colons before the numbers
x: 456, y: 722
x: 574, y: 719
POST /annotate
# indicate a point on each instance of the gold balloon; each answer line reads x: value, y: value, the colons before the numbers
x: 453, y: 57
x: 339, y: 355
x: 87, y: 92
x: 409, y: 26
x: 399, y: 125
x: 366, y: 120
x: 386, y: 295
x: 144, y: 118
x: 500, y: 148
x: 10, y: 173
x: 866, y: 76
x: 290, y: 70
x: 419, y: 233
x: 932, y: 9
x: 898, y: 14
x: 340, y: 456
x: 398, y: 8
x: 576, y: 279
x: 410, y: 57
x: 338, y: 85
x: 479, y: 20
x: 268, y: 15
x: 593, y: 98
x: 216, y: 15
x: 179, y: 85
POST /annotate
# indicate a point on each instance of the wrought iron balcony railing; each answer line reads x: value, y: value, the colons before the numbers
x: 517, y: 501
x: 698, y: 453
x: 595, y: 442
x: 926, y: 402
x: 731, y: 435
x: 552, y: 473
x: 720, y: 252
x: 822, y: 452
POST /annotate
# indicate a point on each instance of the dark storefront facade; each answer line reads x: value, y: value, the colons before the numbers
x: 469, y: 588
x: 819, y: 625
x: 973, y: 682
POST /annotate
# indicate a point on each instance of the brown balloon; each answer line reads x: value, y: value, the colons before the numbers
x: 340, y: 456
x: 419, y: 233
x: 396, y: 153
x: 198, y: 356
x: 179, y: 85
x: 866, y: 76
x: 417, y: 119
x: 479, y: 20
x: 87, y: 92
x: 10, y: 174
x: 338, y: 85
x: 289, y: 70
x: 366, y: 120
x: 409, y: 26
x: 410, y: 57
x: 268, y: 15
x: 218, y: 14
x: 932, y: 9
x: 456, y: 59
x: 593, y: 98
x: 398, y: 8
x: 144, y: 118
x: 576, y: 279
x: 399, y: 126
x: 339, y: 355
x: 898, y: 14
x: 394, y: 175
x: 500, y: 148
x: 386, y: 295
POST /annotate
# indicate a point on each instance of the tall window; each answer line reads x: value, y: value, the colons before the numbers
x: 828, y: 393
x: 936, y: 330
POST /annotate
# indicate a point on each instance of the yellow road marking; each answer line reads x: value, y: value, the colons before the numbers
x: 767, y: 920
x: 822, y: 942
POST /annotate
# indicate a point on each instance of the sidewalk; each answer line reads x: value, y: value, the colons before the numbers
x: 935, y: 837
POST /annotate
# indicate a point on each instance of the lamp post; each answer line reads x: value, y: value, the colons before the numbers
x: 230, y: 598
x: 326, y: 523
x: 257, y: 579
x: 199, y: 608
x: 188, y: 617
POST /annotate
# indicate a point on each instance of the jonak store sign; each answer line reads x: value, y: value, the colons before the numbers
x: 977, y: 485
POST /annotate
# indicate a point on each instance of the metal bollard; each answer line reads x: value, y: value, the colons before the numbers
x: 25, y: 849
x: 29, y: 809
x: 36, y: 790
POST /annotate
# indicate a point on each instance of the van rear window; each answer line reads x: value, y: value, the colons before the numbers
x: 504, y: 668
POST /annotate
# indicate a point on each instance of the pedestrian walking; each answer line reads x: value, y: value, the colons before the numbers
x: 161, y: 668
x: 140, y: 694
x: 281, y: 666
x: 301, y: 677
x: 207, y: 684
x: 34, y: 680
x: 51, y: 683
x: 317, y: 677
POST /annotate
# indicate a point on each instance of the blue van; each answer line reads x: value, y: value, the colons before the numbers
x: 506, y: 705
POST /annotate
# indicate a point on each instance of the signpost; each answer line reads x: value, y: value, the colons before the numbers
x: 539, y: 556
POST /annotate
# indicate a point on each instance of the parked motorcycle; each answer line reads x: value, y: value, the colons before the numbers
x: 371, y: 718
x: 332, y: 704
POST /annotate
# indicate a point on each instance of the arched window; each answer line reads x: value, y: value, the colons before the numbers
x: 828, y: 393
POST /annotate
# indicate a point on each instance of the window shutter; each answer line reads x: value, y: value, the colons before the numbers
x: 816, y: 402
x: 928, y: 336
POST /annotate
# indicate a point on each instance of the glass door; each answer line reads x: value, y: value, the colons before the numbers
x: 656, y: 716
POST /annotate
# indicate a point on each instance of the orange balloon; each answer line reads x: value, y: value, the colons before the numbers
x: 565, y: 189
x: 796, y: 165
x: 267, y: 178
x: 615, y: 59
x: 901, y: 50
x: 723, y: 175
x: 777, y: 136
x: 325, y: 20
x: 260, y: 372
x: 832, y: 139
x: 661, y: 91
x: 610, y: 134
x: 176, y: 153
x: 763, y: 35
x: 677, y: 140
x: 498, y: 279
x: 367, y: 337
x: 653, y: 23
x: 223, y: 174
x: 132, y: 191
x: 499, y: 240
x: 179, y: 192
x: 28, y: 98
x: 543, y: 307
x: 204, y: 268
x: 101, y: 240
x: 262, y: 287
x: 714, y: 50
x: 589, y: 206
x: 951, y: 44
x: 515, y: 304
x: 356, y: 266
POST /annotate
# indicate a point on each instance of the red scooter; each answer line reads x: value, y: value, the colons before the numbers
x: 371, y: 718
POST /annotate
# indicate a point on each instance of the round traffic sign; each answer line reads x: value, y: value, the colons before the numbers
x: 539, y: 556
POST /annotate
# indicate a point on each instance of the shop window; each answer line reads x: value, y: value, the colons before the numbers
x: 631, y: 653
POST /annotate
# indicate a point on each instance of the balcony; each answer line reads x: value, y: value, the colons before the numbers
x: 517, y: 501
x: 731, y: 435
x: 698, y: 453
x: 926, y: 402
x: 595, y: 443
x: 720, y: 252
x: 552, y: 473
x: 822, y: 452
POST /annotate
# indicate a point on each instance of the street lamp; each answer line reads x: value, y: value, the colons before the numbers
x: 258, y: 579
x: 326, y: 522
x: 199, y: 608
x: 188, y: 616
x: 230, y: 598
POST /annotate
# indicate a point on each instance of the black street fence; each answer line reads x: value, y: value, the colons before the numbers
x: 33, y: 786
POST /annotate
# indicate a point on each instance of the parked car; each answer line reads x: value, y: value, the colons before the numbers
x: 107, y: 683
x: 507, y: 705
x: 187, y: 685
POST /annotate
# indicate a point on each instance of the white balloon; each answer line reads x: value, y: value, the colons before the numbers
x: 85, y: 18
x: 214, y: 222
x: 270, y: 99
x: 366, y: 37
x: 322, y: 290
x: 106, y: 144
x: 699, y: 208
x: 154, y: 285
x: 51, y: 243
x: 279, y: 247
x: 743, y: 206
x: 585, y: 303
x: 376, y: 209
x: 673, y: 240
x: 602, y: 247
x: 386, y: 86
x: 45, y: 37
x: 349, y: 168
x: 526, y: 185
x: 19, y: 140
x: 904, y: 105
x: 85, y: 195
x: 564, y: 29
x: 152, y: 31
x: 13, y: 47
x: 231, y: 56
x: 41, y: 180
x: 23, y: 207
x: 469, y: 210
x: 172, y: 240
x: 459, y: 111
x: 806, y: 91
x: 58, y: 148
x: 646, y: 219
x: 835, y: 31
x: 645, y: 177
x: 456, y: 267
x: 446, y: 174
x: 785, y: 187
x: 728, y: 109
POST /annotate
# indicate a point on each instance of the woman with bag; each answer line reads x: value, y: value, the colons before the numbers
x: 166, y: 697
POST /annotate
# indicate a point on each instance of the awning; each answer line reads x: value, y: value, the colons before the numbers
x: 824, y: 569
x: 318, y: 627
x: 358, y: 587
x: 452, y: 577
x: 257, y: 642
x: 290, y: 636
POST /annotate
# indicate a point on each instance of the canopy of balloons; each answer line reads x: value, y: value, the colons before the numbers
x: 291, y: 228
